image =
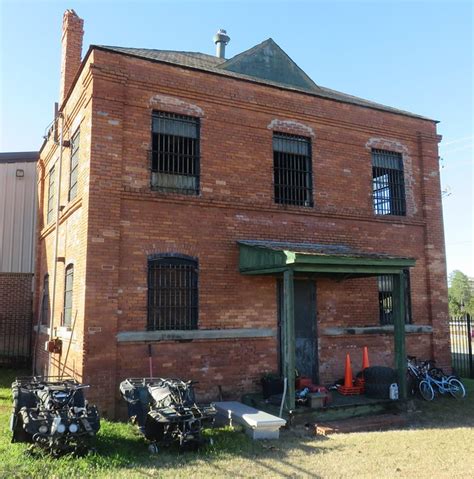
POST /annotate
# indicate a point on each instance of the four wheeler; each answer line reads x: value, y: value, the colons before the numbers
x: 166, y: 412
x: 52, y: 413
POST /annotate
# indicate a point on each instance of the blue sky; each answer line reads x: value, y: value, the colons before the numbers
x: 415, y: 56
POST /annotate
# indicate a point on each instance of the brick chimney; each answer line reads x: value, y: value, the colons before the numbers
x: 71, y: 51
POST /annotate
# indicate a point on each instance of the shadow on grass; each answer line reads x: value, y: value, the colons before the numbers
x: 445, y: 411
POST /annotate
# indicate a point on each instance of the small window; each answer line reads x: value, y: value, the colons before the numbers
x: 45, y: 301
x: 385, y: 286
x: 73, y: 167
x: 388, y: 183
x: 68, y: 289
x: 51, y: 195
x: 175, y: 153
x: 292, y: 170
x: 172, y: 293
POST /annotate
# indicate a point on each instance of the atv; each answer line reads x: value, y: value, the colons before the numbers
x: 52, y: 413
x: 166, y: 412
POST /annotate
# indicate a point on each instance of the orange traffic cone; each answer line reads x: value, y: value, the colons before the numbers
x: 348, y: 373
x: 365, y: 358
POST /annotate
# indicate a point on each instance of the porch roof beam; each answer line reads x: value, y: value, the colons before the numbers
x: 261, y: 260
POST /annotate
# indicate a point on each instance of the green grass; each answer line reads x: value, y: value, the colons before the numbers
x: 437, y: 444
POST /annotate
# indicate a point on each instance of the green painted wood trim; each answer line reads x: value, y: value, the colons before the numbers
x: 348, y: 331
x: 399, y: 333
x: 341, y: 269
x: 263, y: 271
x: 353, y: 260
x: 289, y: 360
x: 202, y: 334
x: 261, y: 260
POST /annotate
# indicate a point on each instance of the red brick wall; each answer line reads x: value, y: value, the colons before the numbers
x: 15, y: 314
x: 124, y: 222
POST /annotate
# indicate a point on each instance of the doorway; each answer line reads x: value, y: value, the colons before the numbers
x: 306, y: 340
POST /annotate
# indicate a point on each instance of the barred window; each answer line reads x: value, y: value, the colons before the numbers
x: 45, y: 301
x: 172, y: 293
x: 68, y: 289
x: 175, y: 153
x: 292, y: 170
x: 73, y: 167
x: 388, y: 183
x: 385, y: 286
x: 51, y: 195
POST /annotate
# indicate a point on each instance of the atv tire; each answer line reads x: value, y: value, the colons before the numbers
x: 379, y: 374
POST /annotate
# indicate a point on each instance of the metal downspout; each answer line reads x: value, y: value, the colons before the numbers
x: 56, y: 239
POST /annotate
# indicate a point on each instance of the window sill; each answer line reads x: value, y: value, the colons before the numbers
x: 409, y: 329
x: 189, y: 335
x: 42, y: 329
x: 64, y: 332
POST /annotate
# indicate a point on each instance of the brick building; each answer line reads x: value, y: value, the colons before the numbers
x: 235, y: 216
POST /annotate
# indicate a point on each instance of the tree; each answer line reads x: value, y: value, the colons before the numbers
x: 460, y: 294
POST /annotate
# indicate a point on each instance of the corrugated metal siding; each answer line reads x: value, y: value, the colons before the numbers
x: 17, y: 217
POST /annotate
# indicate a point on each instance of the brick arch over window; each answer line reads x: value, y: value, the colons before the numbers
x: 172, y: 292
x: 172, y: 104
x: 400, y: 148
x: 291, y: 127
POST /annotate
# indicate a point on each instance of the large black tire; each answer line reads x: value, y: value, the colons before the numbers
x: 379, y: 374
x: 378, y: 390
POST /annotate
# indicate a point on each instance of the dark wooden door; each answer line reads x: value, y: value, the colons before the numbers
x: 306, y: 341
x: 305, y: 329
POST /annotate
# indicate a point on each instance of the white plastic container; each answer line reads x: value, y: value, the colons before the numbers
x: 393, y: 391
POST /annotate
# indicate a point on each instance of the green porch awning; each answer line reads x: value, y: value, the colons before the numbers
x: 270, y: 257
x: 284, y: 259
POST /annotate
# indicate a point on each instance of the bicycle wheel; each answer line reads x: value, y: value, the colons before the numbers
x: 456, y: 388
x: 426, y: 390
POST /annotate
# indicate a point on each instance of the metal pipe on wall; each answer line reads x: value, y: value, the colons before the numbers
x: 56, y: 239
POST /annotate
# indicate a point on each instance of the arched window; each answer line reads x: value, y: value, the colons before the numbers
x: 45, y: 301
x: 172, y: 292
x: 68, y: 289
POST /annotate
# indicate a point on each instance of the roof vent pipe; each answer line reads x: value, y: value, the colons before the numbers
x: 221, y: 39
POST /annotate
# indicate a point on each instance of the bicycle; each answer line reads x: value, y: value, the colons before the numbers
x: 435, y: 378
x: 427, y: 378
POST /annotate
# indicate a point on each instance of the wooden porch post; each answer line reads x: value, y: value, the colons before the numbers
x: 399, y: 331
x: 289, y: 338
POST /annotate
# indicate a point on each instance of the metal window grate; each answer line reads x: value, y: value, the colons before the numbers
x: 45, y: 301
x: 385, y: 286
x: 388, y: 183
x: 73, y: 168
x: 68, y: 289
x: 172, y: 293
x: 51, y: 195
x: 175, y: 153
x: 292, y: 170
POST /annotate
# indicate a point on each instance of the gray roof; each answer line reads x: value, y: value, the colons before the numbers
x: 19, y: 157
x: 316, y: 249
x: 265, y: 63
